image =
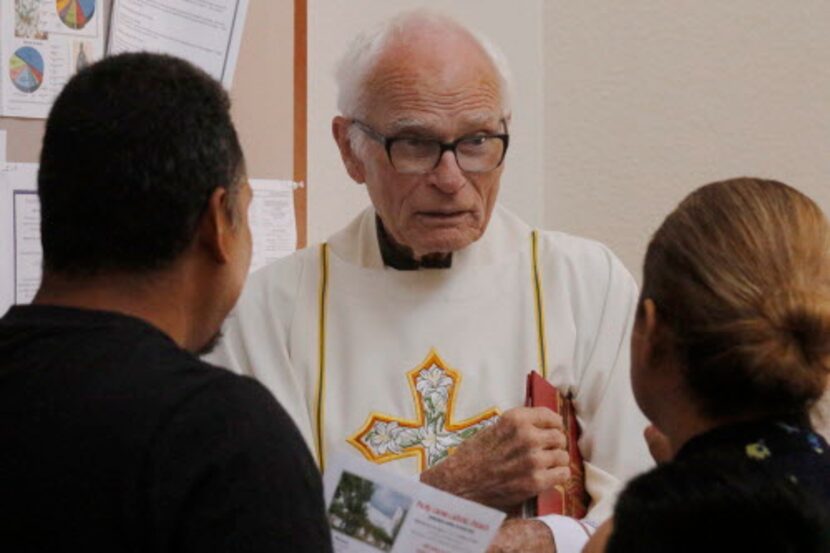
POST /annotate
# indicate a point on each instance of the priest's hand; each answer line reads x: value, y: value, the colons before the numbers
x: 515, y: 459
x: 525, y: 535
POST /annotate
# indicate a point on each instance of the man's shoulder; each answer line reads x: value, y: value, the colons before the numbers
x: 229, y: 404
x: 158, y: 375
x: 168, y: 377
x: 224, y: 390
x: 197, y: 393
x: 124, y: 369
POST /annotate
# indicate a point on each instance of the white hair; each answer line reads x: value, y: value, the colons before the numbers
x: 365, y: 50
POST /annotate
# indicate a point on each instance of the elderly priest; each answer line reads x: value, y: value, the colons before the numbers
x: 407, y: 336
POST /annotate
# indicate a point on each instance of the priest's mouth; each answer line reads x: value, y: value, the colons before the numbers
x: 445, y: 217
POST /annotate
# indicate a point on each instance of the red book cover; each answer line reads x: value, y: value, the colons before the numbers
x: 568, y: 499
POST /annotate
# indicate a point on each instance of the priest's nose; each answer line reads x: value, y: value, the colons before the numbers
x: 447, y: 175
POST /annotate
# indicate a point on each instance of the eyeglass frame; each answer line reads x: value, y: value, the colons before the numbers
x: 389, y: 141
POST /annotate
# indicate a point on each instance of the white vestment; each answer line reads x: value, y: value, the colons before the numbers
x: 400, y: 366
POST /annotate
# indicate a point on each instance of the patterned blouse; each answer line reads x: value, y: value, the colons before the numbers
x: 784, y: 446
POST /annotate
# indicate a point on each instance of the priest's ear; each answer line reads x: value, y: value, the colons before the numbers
x: 344, y: 135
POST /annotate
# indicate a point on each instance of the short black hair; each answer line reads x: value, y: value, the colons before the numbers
x: 721, y: 505
x: 134, y: 147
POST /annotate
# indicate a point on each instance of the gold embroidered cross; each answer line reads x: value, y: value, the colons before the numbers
x: 433, y: 434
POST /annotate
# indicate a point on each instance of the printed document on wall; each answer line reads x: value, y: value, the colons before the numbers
x: 21, y: 254
x: 42, y: 44
x: 207, y: 33
x: 272, y: 222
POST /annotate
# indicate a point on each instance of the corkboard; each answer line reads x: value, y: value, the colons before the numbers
x: 268, y: 97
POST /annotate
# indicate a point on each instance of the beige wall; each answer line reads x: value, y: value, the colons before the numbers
x: 647, y: 99
x: 262, y: 94
x: 333, y: 199
x: 622, y: 107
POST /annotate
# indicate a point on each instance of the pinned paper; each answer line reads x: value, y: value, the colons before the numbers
x: 20, y: 250
x: 272, y: 220
x: 207, y: 34
x: 42, y: 44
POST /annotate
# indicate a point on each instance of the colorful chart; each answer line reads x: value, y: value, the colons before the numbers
x: 75, y: 14
x: 26, y: 69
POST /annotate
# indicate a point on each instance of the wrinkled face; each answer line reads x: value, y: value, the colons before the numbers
x: 425, y: 93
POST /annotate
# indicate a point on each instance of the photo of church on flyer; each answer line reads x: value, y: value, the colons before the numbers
x: 373, y: 509
x: 368, y: 511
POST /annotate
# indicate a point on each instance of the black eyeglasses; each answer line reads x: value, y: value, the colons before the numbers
x: 411, y: 155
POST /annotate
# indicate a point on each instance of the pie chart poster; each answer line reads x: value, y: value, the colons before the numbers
x: 26, y: 69
x: 44, y: 42
x: 78, y: 18
x: 33, y: 73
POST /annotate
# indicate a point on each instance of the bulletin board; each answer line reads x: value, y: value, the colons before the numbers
x: 268, y: 99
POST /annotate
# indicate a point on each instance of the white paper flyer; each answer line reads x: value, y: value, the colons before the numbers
x: 272, y: 221
x: 371, y: 509
x: 207, y: 34
x: 20, y: 250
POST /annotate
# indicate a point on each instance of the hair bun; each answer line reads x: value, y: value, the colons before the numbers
x: 800, y: 320
x: 786, y: 345
x: 741, y: 272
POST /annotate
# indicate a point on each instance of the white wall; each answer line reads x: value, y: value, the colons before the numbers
x: 648, y: 99
x: 621, y: 108
x: 516, y: 27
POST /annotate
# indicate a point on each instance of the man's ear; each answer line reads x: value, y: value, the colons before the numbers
x: 354, y: 165
x: 216, y: 226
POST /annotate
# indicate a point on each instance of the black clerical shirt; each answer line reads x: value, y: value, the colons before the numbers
x: 400, y: 257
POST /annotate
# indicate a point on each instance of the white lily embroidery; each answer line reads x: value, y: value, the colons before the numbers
x: 383, y: 438
x: 438, y: 400
x: 433, y: 380
x: 436, y: 441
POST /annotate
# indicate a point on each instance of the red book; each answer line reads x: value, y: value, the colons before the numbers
x: 568, y: 499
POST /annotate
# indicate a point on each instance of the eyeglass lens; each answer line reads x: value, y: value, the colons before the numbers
x: 476, y: 154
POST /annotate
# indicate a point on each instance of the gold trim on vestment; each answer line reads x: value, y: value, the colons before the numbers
x: 319, y: 399
x: 539, y: 305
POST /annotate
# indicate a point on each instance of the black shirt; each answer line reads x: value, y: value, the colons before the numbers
x: 113, y: 438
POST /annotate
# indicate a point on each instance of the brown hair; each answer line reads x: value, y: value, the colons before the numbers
x: 740, y: 272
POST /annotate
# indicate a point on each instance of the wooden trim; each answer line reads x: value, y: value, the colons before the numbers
x: 301, y: 118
